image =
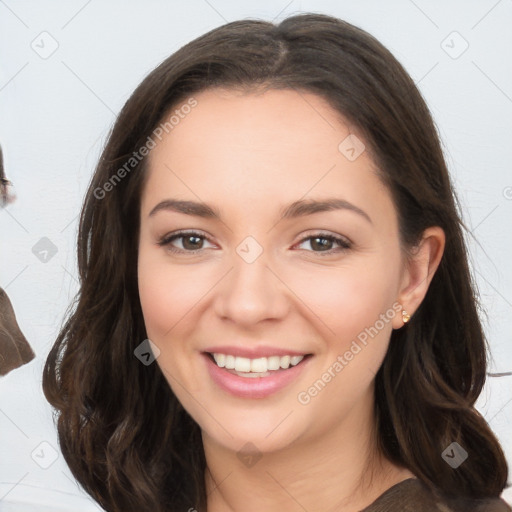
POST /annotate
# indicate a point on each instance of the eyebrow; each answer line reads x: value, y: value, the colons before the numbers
x: 300, y: 208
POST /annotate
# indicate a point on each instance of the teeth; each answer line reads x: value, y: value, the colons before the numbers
x: 242, y: 364
x: 220, y: 359
x: 273, y: 363
x: 295, y: 360
x: 285, y: 362
x: 252, y: 375
x: 258, y: 366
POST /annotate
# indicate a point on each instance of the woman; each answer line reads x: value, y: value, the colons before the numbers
x: 273, y: 211
x: 15, y: 351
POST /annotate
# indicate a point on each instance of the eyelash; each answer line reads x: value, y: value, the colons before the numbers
x: 166, y: 241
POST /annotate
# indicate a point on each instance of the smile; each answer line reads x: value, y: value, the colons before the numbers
x: 260, y: 367
x: 254, y: 377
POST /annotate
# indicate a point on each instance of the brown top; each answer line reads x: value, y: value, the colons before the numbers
x: 412, y: 495
x: 14, y: 348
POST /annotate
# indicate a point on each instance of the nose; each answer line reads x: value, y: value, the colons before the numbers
x: 252, y: 291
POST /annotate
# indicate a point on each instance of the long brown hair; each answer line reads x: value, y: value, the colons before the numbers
x: 123, y: 433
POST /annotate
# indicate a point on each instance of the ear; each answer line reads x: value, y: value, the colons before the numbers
x: 419, y: 271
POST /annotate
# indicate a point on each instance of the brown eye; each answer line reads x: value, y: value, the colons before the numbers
x: 323, y: 243
x: 191, y: 241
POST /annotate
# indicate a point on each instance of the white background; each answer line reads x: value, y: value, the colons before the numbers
x: 55, y: 113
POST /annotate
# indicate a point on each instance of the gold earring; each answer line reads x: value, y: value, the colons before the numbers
x: 405, y: 317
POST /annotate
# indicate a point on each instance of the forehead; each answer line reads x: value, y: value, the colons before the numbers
x: 273, y: 147
x: 279, y: 121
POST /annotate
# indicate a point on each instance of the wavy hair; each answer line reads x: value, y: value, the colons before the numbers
x: 123, y: 433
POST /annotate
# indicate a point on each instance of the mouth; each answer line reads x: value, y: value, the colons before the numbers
x: 258, y: 367
x: 254, y: 378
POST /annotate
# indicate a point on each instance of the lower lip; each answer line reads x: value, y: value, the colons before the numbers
x: 256, y: 387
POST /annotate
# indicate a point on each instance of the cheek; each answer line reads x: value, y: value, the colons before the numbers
x: 168, y: 292
x: 355, y: 314
x: 347, y: 299
x: 168, y: 296
x: 154, y: 299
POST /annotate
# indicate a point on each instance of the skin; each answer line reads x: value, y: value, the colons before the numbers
x: 249, y: 155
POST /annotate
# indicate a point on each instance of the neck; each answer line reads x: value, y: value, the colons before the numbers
x: 339, y: 470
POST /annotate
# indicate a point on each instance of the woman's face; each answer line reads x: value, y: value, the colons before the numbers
x: 256, y: 286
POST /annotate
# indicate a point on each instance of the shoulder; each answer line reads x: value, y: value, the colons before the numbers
x: 413, y: 495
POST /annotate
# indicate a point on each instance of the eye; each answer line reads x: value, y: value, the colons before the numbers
x: 191, y: 241
x: 324, y: 243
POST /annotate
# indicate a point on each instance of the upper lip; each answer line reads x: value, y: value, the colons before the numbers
x: 253, y: 352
